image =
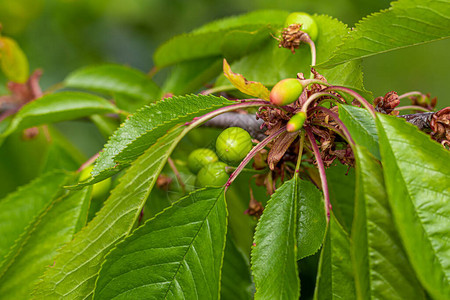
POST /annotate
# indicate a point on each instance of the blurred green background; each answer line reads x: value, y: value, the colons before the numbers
x: 60, y: 36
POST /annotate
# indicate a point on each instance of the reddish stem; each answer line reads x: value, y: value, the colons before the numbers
x: 321, y: 168
x: 177, y: 174
x: 336, y: 118
x: 252, y: 153
x: 243, y: 104
x: 357, y: 96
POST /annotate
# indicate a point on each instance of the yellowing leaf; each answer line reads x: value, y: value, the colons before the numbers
x: 252, y: 88
x: 13, y: 61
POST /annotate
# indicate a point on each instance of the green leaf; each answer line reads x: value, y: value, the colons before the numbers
x: 382, y: 270
x: 177, y: 254
x: 406, y: 23
x: 20, y: 208
x: 274, y: 17
x: 113, y: 79
x: 189, y: 76
x: 13, y: 61
x: 236, y: 282
x: 312, y: 222
x: 335, y: 279
x: 58, y: 107
x: 271, y: 64
x: 341, y: 184
x: 147, y: 125
x: 274, y: 254
x: 79, y: 262
x: 417, y: 183
x: 209, y: 40
x: 361, y: 126
x: 54, y: 227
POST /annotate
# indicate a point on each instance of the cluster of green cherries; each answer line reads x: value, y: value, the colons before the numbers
x: 232, y: 145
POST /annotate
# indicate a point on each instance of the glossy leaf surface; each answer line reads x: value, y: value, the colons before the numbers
x: 51, y: 230
x: 361, y: 126
x: 335, y: 279
x: 77, y: 265
x: 58, y: 107
x: 114, y: 79
x: 143, y: 128
x: 177, y: 254
x: 20, y: 208
x: 382, y: 270
x: 417, y: 182
x: 274, y: 253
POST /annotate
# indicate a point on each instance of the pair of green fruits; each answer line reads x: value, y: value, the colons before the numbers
x: 232, y: 145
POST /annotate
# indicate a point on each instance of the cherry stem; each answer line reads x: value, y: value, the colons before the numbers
x: 177, y: 174
x: 314, y: 97
x: 252, y: 153
x: 300, y: 152
x: 337, y: 120
x: 88, y: 162
x: 357, y: 96
x: 409, y: 94
x: 306, y: 82
x: 412, y: 107
x: 216, y: 89
x: 243, y: 104
x: 321, y: 168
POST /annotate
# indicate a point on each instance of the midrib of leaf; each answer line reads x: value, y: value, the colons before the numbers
x: 120, y: 196
x: 417, y: 217
x: 371, y: 199
x: 412, y: 214
x: 190, y: 247
x: 291, y: 244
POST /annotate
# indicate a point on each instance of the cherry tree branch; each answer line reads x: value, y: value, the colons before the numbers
x: 253, y: 126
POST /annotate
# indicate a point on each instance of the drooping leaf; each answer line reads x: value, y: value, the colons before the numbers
x: 274, y: 253
x: 335, y: 279
x: 20, y: 208
x: 149, y: 124
x: 417, y: 182
x: 382, y: 270
x: 177, y: 254
x: 52, y: 229
x: 271, y: 64
x: 361, y: 126
x: 58, y: 107
x: 113, y: 79
x: 236, y: 282
x: 312, y: 222
x: 406, y: 23
x: 251, y: 88
x: 208, y: 40
x: 78, y: 264
x: 13, y: 62
x: 341, y: 184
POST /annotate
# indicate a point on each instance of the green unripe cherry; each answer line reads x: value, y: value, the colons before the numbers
x: 200, y: 158
x: 99, y: 189
x: 308, y: 24
x: 286, y: 91
x: 214, y: 174
x: 296, y: 122
x: 233, y: 145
